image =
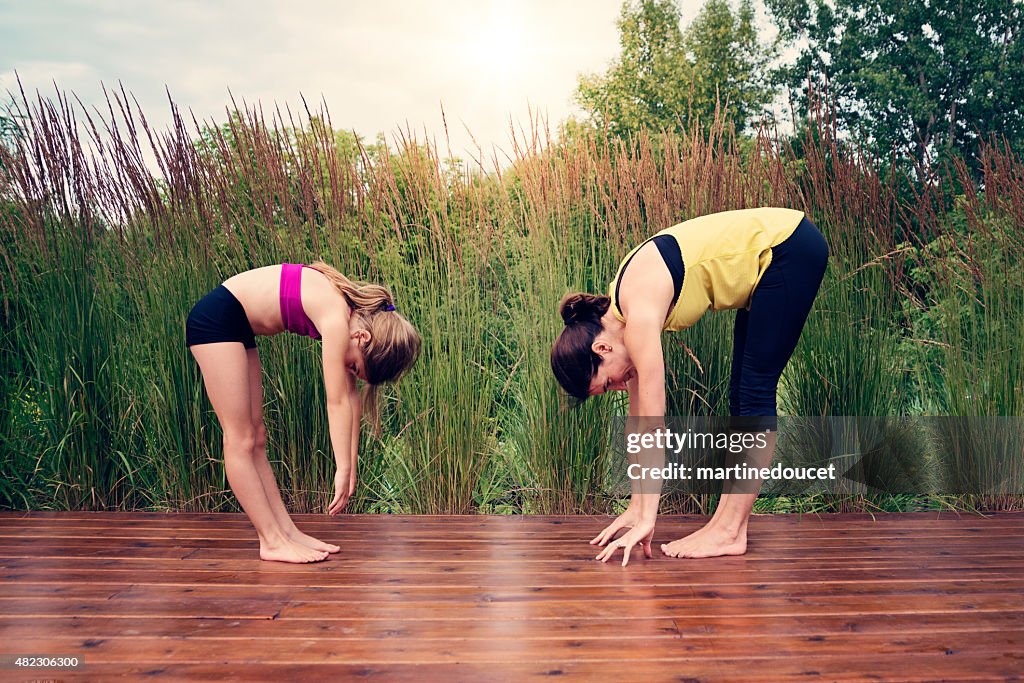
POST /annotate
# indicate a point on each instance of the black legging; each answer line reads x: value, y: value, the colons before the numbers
x: 765, y: 336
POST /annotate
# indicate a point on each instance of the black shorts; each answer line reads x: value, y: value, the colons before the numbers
x: 219, y: 317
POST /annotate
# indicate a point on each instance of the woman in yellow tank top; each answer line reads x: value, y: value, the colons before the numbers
x: 766, y: 263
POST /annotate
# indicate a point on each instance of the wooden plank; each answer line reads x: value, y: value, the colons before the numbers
x: 369, y: 593
x: 638, y: 607
x: 413, y: 524
x: 852, y: 669
x: 479, y: 524
x: 30, y: 628
x: 534, y: 586
x: 385, y: 566
x: 579, y: 557
x: 580, y: 573
x: 510, y: 591
x: 446, y: 546
x: 61, y: 591
x: 156, y: 625
x: 230, y: 608
x: 626, y: 609
x: 152, y: 602
x: 583, y: 550
x: 290, y: 576
x: 510, y: 650
x: 580, y: 550
x: 900, y: 518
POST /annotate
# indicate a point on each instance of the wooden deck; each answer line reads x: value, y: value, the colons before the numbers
x: 178, y: 597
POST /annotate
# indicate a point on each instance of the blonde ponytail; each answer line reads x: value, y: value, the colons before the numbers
x: 394, y: 343
x: 363, y: 297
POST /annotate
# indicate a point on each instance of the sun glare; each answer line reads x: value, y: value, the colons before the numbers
x: 498, y: 44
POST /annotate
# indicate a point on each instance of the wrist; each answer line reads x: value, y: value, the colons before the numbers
x: 647, y: 506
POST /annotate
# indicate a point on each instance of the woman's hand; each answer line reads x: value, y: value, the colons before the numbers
x: 641, y: 530
x: 344, y: 487
x: 342, y: 407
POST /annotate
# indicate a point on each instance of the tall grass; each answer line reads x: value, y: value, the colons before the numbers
x: 103, y: 406
x: 979, y: 264
x: 554, y: 249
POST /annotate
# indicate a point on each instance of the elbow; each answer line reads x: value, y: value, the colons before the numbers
x: 647, y: 423
x: 341, y: 405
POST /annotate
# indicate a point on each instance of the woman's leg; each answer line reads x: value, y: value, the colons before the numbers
x: 739, y: 343
x: 725, y: 533
x: 764, y: 342
x: 225, y: 368
x: 263, y: 468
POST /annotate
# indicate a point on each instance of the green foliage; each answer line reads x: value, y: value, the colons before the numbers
x: 103, y: 407
x: 970, y: 281
x: 668, y: 79
x: 922, y: 80
x: 647, y: 87
x: 10, y: 131
x: 729, y: 63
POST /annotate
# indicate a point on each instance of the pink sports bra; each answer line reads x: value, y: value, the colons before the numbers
x: 292, y: 314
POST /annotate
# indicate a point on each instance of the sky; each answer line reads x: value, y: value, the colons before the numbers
x: 380, y: 65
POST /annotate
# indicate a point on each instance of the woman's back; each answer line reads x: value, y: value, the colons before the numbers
x: 259, y: 292
x: 724, y: 256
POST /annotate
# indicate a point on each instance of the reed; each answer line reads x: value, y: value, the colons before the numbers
x: 103, y: 405
x: 977, y: 299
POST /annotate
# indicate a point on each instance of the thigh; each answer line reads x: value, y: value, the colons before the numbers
x: 225, y: 368
x: 774, y: 326
x: 739, y: 343
x: 255, y: 387
x: 767, y: 346
x: 779, y: 309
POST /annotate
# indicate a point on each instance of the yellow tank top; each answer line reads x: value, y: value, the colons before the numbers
x: 724, y: 256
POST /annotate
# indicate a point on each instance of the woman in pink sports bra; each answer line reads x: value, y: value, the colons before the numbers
x: 362, y: 336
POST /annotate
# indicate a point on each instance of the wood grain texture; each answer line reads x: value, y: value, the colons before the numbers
x: 915, y: 597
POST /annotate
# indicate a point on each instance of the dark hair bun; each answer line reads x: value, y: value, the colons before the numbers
x: 583, y: 308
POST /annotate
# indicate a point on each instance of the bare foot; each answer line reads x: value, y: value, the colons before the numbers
x: 314, y: 543
x: 709, y: 541
x: 291, y: 552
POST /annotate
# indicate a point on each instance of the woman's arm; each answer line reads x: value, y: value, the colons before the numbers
x: 632, y: 391
x: 647, y: 399
x: 341, y: 415
x: 646, y: 413
x: 645, y: 316
x: 357, y: 410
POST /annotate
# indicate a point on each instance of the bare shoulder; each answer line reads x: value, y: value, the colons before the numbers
x: 325, y: 306
x: 646, y: 286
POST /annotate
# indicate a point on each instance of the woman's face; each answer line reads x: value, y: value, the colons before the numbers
x: 616, y: 368
x: 354, y: 359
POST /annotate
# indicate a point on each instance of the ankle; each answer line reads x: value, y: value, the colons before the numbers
x: 274, y: 539
x: 732, y: 530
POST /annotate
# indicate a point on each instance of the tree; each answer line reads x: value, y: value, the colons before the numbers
x: 728, y: 61
x: 8, y: 130
x: 666, y: 79
x: 647, y: 86
x: 923, y: 78
x: 10, y: 133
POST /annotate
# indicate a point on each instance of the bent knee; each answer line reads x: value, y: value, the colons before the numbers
x: 239, y: 442
x: 260, y: 437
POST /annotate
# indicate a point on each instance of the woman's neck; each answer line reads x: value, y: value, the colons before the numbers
x: 614, y: 328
